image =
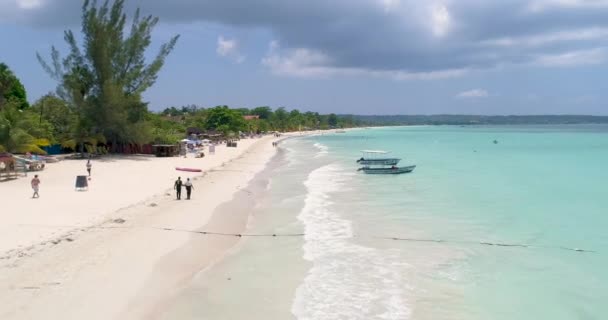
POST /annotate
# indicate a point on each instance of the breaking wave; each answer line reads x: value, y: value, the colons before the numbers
x: 347, y: 280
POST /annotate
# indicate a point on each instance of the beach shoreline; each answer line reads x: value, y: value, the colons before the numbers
x: 229, y: 227
x: 122, y: 263
x: 123, y: 255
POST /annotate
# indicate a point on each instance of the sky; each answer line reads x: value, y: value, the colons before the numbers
x: 351, y: 56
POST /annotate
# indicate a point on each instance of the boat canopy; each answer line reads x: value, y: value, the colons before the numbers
x: 374, y: 151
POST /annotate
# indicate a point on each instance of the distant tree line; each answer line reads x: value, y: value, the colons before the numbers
x: 401, y: 120
x: 260, y: 119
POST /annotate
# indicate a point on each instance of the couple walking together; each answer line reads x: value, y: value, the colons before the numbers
x: 178, y: 188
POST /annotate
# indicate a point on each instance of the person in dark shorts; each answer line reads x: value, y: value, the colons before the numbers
x: 89, y: 165
x: 178, y: 188
x: 189, y: 188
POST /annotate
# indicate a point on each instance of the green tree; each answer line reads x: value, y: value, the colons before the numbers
x: 243, y: 111
x: 225, y: 120
x: 310, y: 120
x: 165, y: 130
x: 197, y: 119
x: 172, y: 111
x: 189, y: 109
x: 104, y: 79
x: 296, y: 120
x: 332, y: 120
x: 264, y: 112
x: 60, y: 116
x: 279, y: 119
x: 260, y: 125
x: 15, y: 127
x: 11, y: 88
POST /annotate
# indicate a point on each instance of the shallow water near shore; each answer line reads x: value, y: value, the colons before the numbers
x: 488, y: 230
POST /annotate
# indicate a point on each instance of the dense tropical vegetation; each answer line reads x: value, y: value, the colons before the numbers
x: 98, y: 103
x: 260, y: 119
x: 11, y: 88
x: 18, y: 131
x: 103, y: 79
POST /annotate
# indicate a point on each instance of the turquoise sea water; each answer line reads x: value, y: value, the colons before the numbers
x: 543, y: 188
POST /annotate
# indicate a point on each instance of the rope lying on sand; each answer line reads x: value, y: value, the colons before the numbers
x: 274, y: 235
x: 240, y: 235
x: 284, y: 235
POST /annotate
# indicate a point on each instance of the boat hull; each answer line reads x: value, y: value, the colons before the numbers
x: 396, y: 170
x: 379, y: 162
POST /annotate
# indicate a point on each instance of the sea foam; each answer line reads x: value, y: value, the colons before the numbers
x: 347, y: 280
x: 323, y: 149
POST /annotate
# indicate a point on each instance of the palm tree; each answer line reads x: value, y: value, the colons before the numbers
x: 13, y: 136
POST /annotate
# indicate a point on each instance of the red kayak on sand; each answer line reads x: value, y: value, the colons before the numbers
x: 188, y: 169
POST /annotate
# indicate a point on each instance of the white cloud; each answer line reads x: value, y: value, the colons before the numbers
x: 410, y: 39
x: 389, y: 5
x: 229, y: 48
x: 299, y: 62
x: 543, y: 5
x: 29, y: 4
x: 440, y: 20
x: 431, y: 75
x: 549, y: 38
x: 573, y: 58
x: 473, y: 93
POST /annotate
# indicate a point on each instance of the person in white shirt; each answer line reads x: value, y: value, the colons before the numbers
x: 189, y: 188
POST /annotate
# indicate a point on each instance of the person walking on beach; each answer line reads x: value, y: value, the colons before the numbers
x: 35, y: 185
x: 189, y: 188
x: 89, y: 165
x: 178, y: 188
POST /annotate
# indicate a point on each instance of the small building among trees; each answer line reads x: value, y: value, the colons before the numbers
x: 251, y: 117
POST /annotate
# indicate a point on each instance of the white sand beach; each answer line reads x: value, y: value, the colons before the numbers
x: 105, y: 253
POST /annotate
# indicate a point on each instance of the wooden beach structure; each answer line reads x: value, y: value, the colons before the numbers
x: 8, y: 167
x: 165, y: 150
